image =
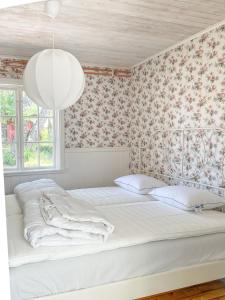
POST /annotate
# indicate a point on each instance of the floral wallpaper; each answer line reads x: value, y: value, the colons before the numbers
x: 101, y: 116
x: 181, y: 88
x: 145, y: 108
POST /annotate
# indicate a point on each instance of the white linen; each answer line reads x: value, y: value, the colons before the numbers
x: 38, y: 233
x: 74, y: 215
x: 187, y: 198
x: 108, y: 195
x: 12, y: 205
x: 33, y: 190
x: 94, y: 196
x: 135, y: 223
x: 61, y: 276
x: 53, y: 218
x: 139, y: 183
x: 52, y: 277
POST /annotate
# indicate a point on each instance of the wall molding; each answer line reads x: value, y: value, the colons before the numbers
x: 107, y: 71
x: 84, y: 168
x: 190, y: 38
x: 102, y: 149
x: 9, y: 81
x: 17, y: 66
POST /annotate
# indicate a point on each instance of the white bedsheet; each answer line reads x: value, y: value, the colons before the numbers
x: 95, y: 196
x: 12, y: 205
x: 60, y: 276
x: 135, y: 223
x: 48, y: 277
x: 108, y: 195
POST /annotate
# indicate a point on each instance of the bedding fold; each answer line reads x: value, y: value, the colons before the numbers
x: 72, y: 214
x: 53, y: 218
x: 135, y: 223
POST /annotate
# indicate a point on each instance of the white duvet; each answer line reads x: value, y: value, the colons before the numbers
x: 135, y: 223
x: 54, y: 218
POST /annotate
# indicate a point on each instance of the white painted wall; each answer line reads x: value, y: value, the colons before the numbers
x: 83, y: 168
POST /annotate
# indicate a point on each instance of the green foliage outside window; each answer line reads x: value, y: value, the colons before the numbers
x: 7, y: 103
x: 38, y: 131
x: 9, y: 159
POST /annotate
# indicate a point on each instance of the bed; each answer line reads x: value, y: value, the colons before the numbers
x: 128, y: 271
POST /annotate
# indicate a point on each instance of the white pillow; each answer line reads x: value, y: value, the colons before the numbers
x: 139, y: 183
x: 187, y: 198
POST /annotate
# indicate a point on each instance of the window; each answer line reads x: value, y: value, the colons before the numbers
x: 30, y: 134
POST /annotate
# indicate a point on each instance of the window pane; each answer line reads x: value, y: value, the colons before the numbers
x: 31, y: 155
x: 46, y: 155
x: 46, y: 129
x: 30, y: 109
x: 30, y: 129
x: 45, y: 112
x: 9, y: 155
x: 7, y: 102
x: 36, y: 134
x: 8, y: 130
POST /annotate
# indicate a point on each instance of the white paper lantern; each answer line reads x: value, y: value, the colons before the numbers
x: 54, y: 79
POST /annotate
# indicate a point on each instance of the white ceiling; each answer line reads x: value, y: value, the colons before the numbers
x: 9, y: 3
x: 116, y: 33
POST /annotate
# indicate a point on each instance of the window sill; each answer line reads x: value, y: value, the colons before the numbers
x: 33, y: 172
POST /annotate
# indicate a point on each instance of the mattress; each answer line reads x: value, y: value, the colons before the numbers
x: 12, y: 206
x: 51, y: 277
x: 94, y: 196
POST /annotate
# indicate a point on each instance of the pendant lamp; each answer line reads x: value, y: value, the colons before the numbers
x: 53, y: 78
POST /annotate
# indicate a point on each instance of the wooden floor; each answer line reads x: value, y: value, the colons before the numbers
x: 214, y: 290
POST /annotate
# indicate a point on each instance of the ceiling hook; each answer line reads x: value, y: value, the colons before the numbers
x: 52, y: 8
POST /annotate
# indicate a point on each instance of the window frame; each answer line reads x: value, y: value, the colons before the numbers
x: 58, y: 136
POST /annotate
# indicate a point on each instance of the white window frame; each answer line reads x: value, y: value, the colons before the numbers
x: 58, y: 119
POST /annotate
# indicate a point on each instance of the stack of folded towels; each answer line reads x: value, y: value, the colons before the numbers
x: 53, y: 218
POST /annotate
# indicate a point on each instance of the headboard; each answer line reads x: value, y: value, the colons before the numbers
x: 194, y: 156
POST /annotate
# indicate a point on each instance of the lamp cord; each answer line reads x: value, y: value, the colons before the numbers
x: 53, y: 40
x: 53, y: 33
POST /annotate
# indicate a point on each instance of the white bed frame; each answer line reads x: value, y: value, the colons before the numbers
x: 148, y: 285
x: 183, y: 145
x: 161, y: 282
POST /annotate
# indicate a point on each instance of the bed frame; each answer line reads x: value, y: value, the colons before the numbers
x: 171, y: 153
x: 179, y: 278
x: 148, y: 285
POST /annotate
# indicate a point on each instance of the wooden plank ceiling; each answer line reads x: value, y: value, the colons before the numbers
x: 117, y: 33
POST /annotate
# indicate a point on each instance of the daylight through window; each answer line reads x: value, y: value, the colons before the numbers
x: 28, y: 132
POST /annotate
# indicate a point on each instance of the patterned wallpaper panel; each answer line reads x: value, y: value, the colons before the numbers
x: 101, y: 116
x: 182, y: 88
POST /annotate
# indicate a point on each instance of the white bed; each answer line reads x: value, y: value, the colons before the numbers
x: 140, y: 263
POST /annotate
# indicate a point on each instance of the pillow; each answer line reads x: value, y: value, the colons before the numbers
x: 138, y: 183
x: 187, y: 198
